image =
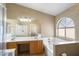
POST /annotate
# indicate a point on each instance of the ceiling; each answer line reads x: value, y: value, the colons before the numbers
x: 49, y: 8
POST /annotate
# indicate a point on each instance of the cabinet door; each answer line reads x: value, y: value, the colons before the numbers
x: 36, y: 47
x: 11, y: 45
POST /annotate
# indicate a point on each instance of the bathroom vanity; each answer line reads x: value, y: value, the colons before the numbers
x: 26, y: 46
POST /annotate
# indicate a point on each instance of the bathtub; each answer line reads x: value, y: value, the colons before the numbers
x: 49, y: 45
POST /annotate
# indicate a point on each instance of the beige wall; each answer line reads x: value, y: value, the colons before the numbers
x: 47, y: 21
x: 72, y: 13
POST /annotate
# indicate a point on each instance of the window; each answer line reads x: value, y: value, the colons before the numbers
x: 65, y: 28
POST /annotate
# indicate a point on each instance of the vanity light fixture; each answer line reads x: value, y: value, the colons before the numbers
x: 25, y: 19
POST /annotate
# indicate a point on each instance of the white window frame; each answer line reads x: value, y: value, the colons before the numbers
x: 57, y: 29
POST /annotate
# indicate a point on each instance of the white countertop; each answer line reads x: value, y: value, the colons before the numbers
x: 56, y: 41
x: 67, y: 42
x: 23, y: 39
x: 7, y: 52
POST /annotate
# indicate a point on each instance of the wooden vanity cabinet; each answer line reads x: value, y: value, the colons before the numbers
x: 11, y: 45
x: 36, y: 47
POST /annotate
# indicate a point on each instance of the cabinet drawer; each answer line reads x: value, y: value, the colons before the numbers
x: 11, y: 45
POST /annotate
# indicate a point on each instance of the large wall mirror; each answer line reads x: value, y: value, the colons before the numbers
x: 23, y: 29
